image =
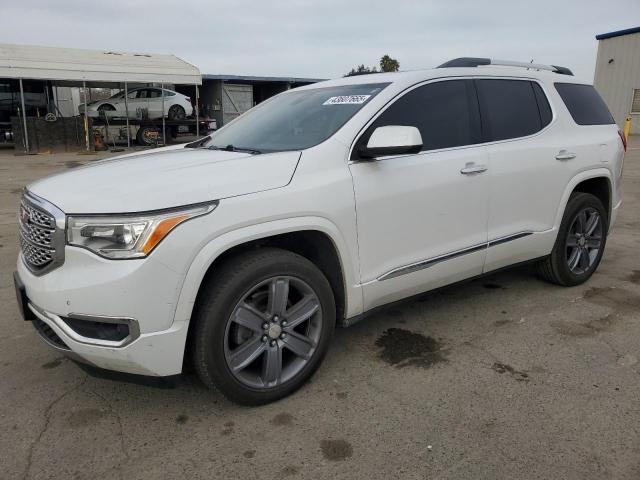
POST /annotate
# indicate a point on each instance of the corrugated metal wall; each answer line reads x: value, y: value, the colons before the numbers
x: 616, y: 80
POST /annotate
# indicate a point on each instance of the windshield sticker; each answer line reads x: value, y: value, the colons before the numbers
x: 347, y: 100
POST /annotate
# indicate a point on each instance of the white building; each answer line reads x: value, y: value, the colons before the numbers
x: 617, y: 76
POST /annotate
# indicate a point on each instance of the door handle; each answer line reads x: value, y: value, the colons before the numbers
x: 471, y: 168
x: 565, y: 155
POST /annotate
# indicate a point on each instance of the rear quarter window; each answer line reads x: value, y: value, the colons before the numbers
x: 584, y: 104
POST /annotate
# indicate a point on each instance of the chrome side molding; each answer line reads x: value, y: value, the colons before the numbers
x: 508, y: 238
x: 421, y: 265
x: 430, y: 262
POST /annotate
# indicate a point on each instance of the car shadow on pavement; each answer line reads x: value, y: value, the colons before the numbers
x: 161, y: 383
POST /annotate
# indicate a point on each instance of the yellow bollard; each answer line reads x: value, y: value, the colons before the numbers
x: 626, y: 128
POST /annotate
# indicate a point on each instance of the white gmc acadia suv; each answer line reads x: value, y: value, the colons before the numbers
x: 243, y: 250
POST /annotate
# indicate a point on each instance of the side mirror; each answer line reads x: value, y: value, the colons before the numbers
x: 392, y: 140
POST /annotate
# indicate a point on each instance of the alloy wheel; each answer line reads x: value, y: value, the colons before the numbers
x: 584, y: 240
x: 273, y: 332
x: 176, y: 113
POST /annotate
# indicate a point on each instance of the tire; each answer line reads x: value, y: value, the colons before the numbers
x: 564, y: 266
x: 148, y: 135
x: 176, y: 112
x: 232, y: 349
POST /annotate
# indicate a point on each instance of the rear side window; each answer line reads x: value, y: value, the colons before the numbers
x: 511, y: 108
x: 543, y: 104
x: 585, y: 104
x: 446, y: 114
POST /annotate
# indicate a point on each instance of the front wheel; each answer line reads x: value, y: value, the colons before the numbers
x: 580, y: 243
x: 106, y: 108
x: 149, y: 135
x: 263, y: 325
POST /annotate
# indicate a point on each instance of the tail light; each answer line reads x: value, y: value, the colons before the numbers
x: 624, y: 140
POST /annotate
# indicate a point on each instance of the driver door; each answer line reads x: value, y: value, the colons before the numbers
x: 154, y: 103
x: 132, y: 104
x: 422, y: 218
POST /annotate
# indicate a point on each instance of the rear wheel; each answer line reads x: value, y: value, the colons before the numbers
x: 263, y: 326
x: 580, y: 242
x: 176, y: 112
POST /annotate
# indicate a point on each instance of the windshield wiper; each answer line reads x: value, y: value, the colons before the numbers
x: 231, y: 148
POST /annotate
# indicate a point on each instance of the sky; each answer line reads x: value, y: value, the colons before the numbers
x: 324, y: 39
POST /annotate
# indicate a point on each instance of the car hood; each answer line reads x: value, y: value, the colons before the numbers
x: 169, y: 178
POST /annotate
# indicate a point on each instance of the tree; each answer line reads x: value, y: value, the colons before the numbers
x: 361, y: 70
x: 388, y: 64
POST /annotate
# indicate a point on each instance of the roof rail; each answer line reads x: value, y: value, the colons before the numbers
x: 476, y: 62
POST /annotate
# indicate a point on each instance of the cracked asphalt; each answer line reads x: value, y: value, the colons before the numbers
x: 503, y: 377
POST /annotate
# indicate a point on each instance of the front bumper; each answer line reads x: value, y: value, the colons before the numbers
x: 614, y: 215
x: 152, y: 354
x: 140, y: 294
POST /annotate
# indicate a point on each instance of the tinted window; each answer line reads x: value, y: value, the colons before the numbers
x: 584, y: 104
x: 441, y: 111
x: 508, y: 108
x: 543, y: 105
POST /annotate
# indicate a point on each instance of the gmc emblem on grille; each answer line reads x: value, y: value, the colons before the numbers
x: 24, y: 215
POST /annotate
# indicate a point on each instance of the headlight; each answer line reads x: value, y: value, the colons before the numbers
x: 128, y: 236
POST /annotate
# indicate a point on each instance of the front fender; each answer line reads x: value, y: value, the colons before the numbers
x: 216, y: 247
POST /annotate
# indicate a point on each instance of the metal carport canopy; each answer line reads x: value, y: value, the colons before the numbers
x: 93, y: 67
x: 74, y: 64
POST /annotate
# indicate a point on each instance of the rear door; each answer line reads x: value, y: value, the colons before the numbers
x: 422, y: 218
x: 525, y: 140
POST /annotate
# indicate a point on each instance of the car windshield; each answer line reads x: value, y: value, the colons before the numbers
x: 118, y: 95
x: 294, y: 120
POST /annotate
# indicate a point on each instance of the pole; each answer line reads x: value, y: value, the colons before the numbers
x: 197, y: 112
x: 46, y: 91
x: 57, y: 99
x: 627, y: 127
x: 126, y: 112
x: 24, y: 119
x: 164, y: 140
x: 86, y: 118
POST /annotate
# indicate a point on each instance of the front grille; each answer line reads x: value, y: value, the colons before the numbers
x: 35, y: 256
x: 38, y: 235
x: 41, y: 241
x: 38, y: 217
